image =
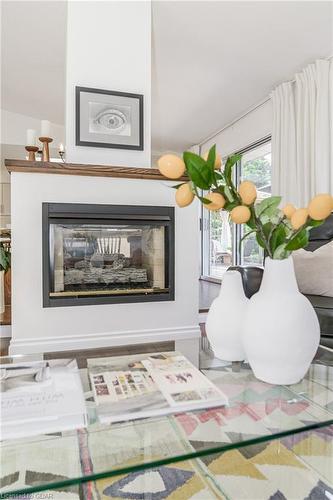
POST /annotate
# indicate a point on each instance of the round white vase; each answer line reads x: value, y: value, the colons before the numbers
x: 225, y: 317
x: 281, y: 330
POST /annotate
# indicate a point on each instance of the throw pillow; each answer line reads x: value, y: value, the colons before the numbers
x: 314, y: 270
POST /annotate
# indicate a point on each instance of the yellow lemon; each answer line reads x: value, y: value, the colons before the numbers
x: 240, y: 214
x: 320, y: 206
x: 299, y: 218
x: 184, y: 195
x: 171, y: 166
x: 217, y: 201
x: 248, y: 192
x: 289, y: 210
x: 218, y: 160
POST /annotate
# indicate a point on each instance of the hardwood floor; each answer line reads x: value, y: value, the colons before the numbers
x: 4, y: 344
x: 104, y: 352
x: 6, y: 317
x: 82, y: 355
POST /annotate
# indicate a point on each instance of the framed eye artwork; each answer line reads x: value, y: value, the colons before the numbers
x: 108, y: 119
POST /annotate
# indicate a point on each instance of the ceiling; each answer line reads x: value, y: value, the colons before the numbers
x: 214, y: 60
x: 211, y: 60
x: 33, y: 54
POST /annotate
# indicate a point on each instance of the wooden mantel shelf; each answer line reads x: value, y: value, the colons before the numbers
x: 41, y: 167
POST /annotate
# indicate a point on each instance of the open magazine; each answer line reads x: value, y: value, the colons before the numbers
x: 40, y: 397
x: 140, y: 386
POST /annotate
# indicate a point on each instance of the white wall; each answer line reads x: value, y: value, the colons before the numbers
x: 249, y: 129
x: 108, y: 47
x: 12, y: 142
x: 14, y: 127
x: 36, y: 328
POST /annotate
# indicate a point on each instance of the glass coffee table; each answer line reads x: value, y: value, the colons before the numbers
x: 269, y: 442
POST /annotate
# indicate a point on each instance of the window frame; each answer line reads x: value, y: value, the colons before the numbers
x: 236, y: 232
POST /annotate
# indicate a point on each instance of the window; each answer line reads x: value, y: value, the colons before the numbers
x: 255, y: 166
x: 220, y: 238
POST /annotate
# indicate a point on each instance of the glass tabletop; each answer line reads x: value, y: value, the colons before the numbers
x: 256, y: 413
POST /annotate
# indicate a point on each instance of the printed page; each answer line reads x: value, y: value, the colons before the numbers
x: 117, y: 386
x: 41, y: 390
x: 140, y: 386
x: 180, y: 382
x: 123, y: 389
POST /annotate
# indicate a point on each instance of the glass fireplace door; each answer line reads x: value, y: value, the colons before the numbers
x: 108, y: 258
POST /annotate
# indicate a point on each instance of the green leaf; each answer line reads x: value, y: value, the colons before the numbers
x: 228, y: 194
x: 287, y: 227
x: 278, y: 237
x: 299, y: 240
x: 198, y: 170
x: 219, y: 175
x: 251, y: 223
x: 260, y: 241
x: 178, y: 185
x: 264, y: 219
x: 211, y: 157
x: 204, y: 200
x: 315, y: 223
x: 267, y: 228
x: 268, y: 206
x: 231, y: 161
x: 281, y: 252
x: 229, y: 205
x: 4, y: 259
x: 276, y: 217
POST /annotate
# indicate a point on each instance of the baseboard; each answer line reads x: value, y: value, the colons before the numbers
x: 108, y: 339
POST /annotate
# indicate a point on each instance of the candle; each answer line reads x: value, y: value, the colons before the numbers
x: 46, y: 128
x: 31, y: 137
x: 61, y: 148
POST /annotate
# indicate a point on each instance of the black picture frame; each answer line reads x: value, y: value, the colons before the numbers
x: 79, y: 142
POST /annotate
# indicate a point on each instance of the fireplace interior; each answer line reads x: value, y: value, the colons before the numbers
x: 107, y: 254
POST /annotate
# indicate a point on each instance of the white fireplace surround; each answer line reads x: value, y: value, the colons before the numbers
x: 38, y: 329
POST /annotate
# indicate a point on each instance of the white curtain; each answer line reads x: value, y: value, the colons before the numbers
x: 302, y: 136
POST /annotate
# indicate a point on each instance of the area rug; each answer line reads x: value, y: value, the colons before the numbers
x: 297, y: 467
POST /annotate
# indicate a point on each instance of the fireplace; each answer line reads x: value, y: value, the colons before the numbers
x: 102, y: 254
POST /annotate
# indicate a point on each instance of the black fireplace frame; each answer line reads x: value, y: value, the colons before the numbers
x: 107, y: 214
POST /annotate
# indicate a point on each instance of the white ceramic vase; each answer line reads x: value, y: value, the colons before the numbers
x: 2, y: 292
x: 281, y: 330
x: 225, y: 317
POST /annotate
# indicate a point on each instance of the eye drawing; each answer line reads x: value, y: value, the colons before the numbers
x: 112, y: 119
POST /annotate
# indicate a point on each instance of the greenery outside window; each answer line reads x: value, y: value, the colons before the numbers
x: 220, y: 238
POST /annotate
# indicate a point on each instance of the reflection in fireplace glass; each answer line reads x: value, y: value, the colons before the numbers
x: 99, y: 259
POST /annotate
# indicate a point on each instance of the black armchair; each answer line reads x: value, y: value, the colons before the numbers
x: 323, y: 306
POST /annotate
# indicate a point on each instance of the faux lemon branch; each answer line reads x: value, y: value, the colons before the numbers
x: 4, y: 258
x: 278, y: 231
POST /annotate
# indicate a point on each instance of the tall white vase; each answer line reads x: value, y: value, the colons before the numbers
x: 281, y: 330
x: 225, y: 317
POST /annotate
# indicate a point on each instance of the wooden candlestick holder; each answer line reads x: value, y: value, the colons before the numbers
x: 32, y: 150
x: 46, y: 152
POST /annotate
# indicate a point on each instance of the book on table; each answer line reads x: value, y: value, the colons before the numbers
x: 140, y: 386
x: 41, y: 397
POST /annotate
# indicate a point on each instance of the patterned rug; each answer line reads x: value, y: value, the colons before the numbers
x: 293, y: 468
x: 298, y: 467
